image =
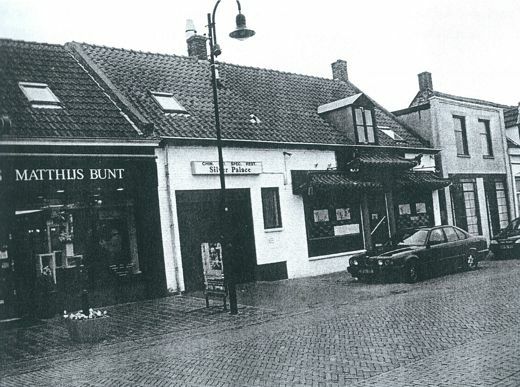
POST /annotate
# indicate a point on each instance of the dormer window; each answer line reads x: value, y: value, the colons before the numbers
x: 364, y: 124
x: 168, y: 103
x: 39, y: 95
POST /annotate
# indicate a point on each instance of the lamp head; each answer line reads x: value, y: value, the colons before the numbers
x: 217, y: 50
x: 241, y: 32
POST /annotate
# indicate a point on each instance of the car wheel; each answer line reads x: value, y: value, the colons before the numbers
x: 411, y: 273
x: 470, y: 262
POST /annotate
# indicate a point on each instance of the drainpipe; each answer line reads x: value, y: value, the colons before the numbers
x: 171, y: 216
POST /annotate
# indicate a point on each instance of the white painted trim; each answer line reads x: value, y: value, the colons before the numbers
x: 86, y: 155
x: 278, y: 229
x: 338, y: 104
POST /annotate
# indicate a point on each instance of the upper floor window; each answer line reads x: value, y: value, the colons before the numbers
x: 39, y: 95
x: 461, y: 139
x: 364, y: 124
x: 168, y: 103
x: 485, y: 138
x: 271, y: 208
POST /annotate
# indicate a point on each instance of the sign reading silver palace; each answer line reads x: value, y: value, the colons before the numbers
x: 69, y: 174
x: 230, y: 167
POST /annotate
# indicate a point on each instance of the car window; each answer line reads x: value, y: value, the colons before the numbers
x: 418, y: 238
x: 461, y: 234
x: 451, y: 235
x: 437, y: 236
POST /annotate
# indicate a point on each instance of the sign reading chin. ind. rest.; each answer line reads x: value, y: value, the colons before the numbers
x: 61, y: 174
x: 230, y: 167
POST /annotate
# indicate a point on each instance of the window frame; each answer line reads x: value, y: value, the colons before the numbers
x: 486, y: 135
x: 364, y: 125
x: 156, y: 95
x: 52, y: 102
x: 464, y: 134
x: 264, y: 192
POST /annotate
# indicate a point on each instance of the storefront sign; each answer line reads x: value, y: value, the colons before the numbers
x: 230, y: 167
x: 69, y: 174
x: 346, y: 229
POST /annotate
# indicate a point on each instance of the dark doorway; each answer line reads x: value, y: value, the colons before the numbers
x: 198, y: 214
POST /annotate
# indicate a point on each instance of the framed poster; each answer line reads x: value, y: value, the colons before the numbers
x: 321, y: 216
x: 212, y: 260
x: 420, y: 208
x: 404, y: 209
x: 343, y: 214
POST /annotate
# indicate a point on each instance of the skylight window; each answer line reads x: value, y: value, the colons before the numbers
x: 39, y: 95
x: 393, y: 135
x: 168, y: 103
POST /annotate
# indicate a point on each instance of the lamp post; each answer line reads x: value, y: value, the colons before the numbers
x: 241, y: 32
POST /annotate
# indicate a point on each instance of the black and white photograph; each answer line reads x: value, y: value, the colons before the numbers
x: 259, y: 193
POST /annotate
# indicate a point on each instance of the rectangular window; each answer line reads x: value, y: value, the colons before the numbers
x: 461, y: 139
x: 271, y: 208
x: 168, y: 102
x: 39, y: 95
x: 485, y: 138
x: 364, y: 122
x: 498, y: 214
x: 465, y: 206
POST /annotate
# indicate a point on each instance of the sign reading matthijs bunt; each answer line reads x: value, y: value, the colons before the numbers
x: 230, y: 167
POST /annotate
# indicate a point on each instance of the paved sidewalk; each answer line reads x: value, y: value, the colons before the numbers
x: 128, y: 322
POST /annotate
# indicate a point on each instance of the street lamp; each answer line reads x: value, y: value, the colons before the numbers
x: 241, y: 32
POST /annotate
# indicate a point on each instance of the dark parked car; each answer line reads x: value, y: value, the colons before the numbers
x: 423, y: 252
x: 507, y: 243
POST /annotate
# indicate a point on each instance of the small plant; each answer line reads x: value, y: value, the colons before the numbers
x: 92, y: 314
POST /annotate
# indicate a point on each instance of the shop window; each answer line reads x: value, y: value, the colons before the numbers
x: 271, y: 208
x: 461, y: 140
x: 333, y: 224
x: 364, y: 124
x: 465, y: 206
x: 485, y: 138
x: 517, y: 184
x: 168, y: 102
x: 39, y: 95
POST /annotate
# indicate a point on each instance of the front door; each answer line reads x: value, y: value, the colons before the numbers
x: 199, y: 223
x: 378, y: 219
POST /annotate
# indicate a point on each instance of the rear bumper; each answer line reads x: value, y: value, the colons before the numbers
x: 505, y: 250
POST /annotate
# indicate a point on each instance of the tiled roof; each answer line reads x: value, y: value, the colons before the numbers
x: 334, y: 180
x: 417, y: 180
x: 381, y: 159
x: 86, y: 111
x: 285, y: 103
x: 511, y: 117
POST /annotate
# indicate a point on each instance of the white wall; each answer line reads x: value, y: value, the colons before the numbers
x: 286, y: 244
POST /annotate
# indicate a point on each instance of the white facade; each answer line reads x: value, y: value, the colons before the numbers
x: 288, y: 243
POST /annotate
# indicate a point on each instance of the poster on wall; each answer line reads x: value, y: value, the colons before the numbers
x: 404, y: 209
x: 346, y: 229
x: 212, y: 260
x: 321, y: 216
x: 343, y: 214
x: 420, y: 208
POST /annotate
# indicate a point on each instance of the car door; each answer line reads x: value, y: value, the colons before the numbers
x: 454, y: 249
x: 435, y: 253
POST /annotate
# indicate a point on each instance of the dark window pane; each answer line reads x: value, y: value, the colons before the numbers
x: 271, y: 208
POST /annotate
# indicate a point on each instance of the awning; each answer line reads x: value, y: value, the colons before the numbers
x: 421, y: 180
x: 381, y: 159
x: 317, y: 181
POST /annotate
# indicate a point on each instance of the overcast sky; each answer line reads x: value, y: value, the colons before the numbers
x: 472, y: 48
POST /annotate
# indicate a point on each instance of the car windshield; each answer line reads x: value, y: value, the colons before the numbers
x: 418, y: 238
x: 514, y: 225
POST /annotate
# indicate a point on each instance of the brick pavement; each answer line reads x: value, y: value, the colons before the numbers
x: 457, y: 330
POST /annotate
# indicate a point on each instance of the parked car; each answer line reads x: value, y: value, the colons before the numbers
x: 507, y: 242
x: 421, y: 253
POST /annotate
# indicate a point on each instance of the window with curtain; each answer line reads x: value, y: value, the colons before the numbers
x: 271, y: 208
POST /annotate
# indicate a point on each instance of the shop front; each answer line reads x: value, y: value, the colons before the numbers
x: 78, y: 222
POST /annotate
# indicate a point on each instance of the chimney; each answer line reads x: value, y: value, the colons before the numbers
x: 425, y: 81
x: 339, y: 70
x: 196, y: 43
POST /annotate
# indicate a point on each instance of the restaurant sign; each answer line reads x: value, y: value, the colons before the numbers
x: 230, y: 167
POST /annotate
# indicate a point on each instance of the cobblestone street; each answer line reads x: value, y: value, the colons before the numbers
x: 458, y: 330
